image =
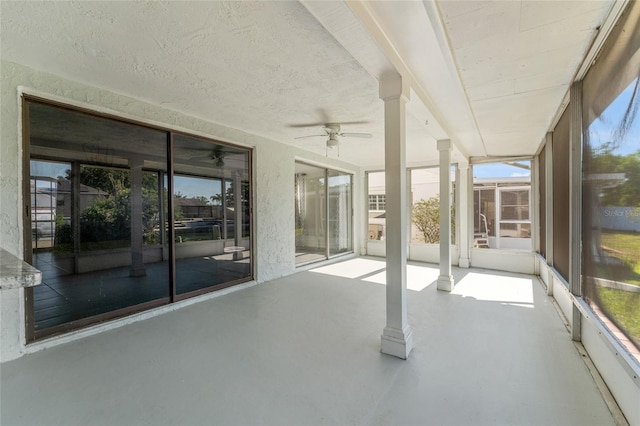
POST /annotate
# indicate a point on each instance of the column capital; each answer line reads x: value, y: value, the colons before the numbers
x: 394, y: 88
x: 463, y: 165
x: 444, y: 145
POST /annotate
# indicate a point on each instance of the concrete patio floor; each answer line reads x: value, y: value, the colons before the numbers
x: 304, y: 350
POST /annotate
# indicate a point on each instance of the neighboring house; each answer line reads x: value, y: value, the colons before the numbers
x: 425, y: 184
x: 502, y: 213
x: 51, y: 202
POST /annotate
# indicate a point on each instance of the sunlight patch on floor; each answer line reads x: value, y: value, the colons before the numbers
x: 379, y: 278
x: 480, y: 286
x: 353, y: 268
x: 418, y: 277
x: 496, y: 288
x: 374, y: 271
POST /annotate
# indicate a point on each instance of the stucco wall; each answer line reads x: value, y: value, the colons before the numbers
x: 273, y: 176
x: 10, y: 166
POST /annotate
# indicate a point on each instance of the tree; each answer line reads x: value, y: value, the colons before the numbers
x: 109, y: 217
x: 425, y: 214
x: 204, y: 200
x: 626, y: 194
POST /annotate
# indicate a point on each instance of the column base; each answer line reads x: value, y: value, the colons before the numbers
x: 445, y: 282
x: 464, y: 262
x: 396, y: 342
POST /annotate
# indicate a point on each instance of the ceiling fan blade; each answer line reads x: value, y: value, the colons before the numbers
x: 356, y: 135
x: 199, y: 158
x: 324, y: 123
x: 302, y: 126
x: 349, y: 123
x: 310, y: 136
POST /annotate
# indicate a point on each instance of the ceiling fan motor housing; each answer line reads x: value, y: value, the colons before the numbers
x: 332, y: 141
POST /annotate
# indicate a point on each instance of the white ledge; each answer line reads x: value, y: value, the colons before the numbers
x: 15, y: 273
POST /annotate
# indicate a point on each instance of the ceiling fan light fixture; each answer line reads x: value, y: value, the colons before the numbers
x: 333, y: 131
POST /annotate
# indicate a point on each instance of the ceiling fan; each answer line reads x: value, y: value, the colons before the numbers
x: 332, y: 132
x: 215, y: 155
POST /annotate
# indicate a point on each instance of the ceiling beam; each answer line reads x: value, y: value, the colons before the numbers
x: 354, y: 26
x: 439, y: 127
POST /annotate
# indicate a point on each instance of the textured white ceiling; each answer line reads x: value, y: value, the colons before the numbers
x: 490, y: 75
x: 255, y: 66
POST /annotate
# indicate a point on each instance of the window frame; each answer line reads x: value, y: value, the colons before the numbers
x: 379, y: 201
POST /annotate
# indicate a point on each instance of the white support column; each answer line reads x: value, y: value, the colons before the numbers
x: 463, y: 209
x: 396, y: 338
x: 409, y: 200
x: 364, y: 238
x: 445, y: 280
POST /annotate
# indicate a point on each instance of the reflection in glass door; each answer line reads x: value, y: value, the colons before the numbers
x: 94, y: 214
x: 49, y: 202
x: 211, y: 215
x: 119, y: 225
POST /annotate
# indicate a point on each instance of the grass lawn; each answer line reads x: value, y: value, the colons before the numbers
x: 624, y: 307
x: 627, y: 245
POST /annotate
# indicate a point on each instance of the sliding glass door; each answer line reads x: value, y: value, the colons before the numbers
x: 323, y: 213
x: 125, y: 217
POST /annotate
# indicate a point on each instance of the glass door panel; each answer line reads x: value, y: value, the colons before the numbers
x: 92, y: 213
x: 211, y: 215
x: 310, y: 213
x: 340, y: 213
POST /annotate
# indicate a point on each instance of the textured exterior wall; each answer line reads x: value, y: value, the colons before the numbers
x: 273, y: 177
x: 11, y: 301
x: 10, y: 165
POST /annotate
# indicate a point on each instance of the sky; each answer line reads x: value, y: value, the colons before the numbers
x: 49, y: 169
x: 601, y: 130
x: 492, y: 170
x: 192, y: 187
